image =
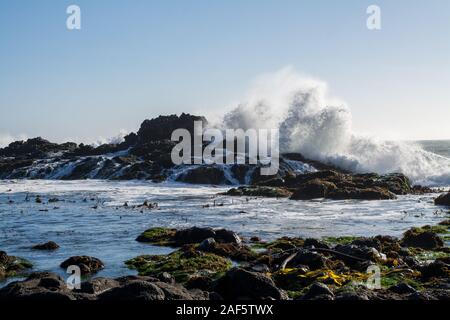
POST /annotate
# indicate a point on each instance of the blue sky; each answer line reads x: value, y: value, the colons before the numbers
x: 136, y: 59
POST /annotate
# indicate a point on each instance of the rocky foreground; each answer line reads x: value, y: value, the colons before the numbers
x: 211, y: 264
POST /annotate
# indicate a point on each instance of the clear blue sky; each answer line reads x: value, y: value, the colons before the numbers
x: 136, y: 59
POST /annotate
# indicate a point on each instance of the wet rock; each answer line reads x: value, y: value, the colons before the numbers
x: 313, y: 260
x: 98, y: 285
x: 166, y: 277
x: 87, y: 265
x: 350, y: 295
x: 233, y: 251
x: 11, y: 266
x: 360, y: 252
x: 375, y: 193
x: 43, y: 286
x: 193, y: 235
x: 161, y: 128
x: 133, y: 291
x: 46, y: 246
x: 314, y: 243
x: 402, y: 288
x: 173, y: 237
x: 239, y: 284
x: 418, y: 238
x: 367, y: 242
x: 259, y: 191
x: 227, y: 236
x: 205, y: 175
x: 320, y: 291
x: 436, y: 269
x: 443, y: 200
x: 313, y: 189
x: 200, y: 282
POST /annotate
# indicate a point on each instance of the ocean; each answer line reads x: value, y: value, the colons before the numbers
x: 440, y: 147
x: 90, y: 219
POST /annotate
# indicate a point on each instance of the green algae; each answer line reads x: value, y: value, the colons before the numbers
x: 181, y: 264
x: 158, y: 236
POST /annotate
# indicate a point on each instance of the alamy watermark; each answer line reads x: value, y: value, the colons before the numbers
x: 230, y: 146
x: 374, y: 19
x: 73, y: 21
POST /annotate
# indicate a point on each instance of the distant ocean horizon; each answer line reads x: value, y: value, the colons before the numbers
x: 440, y: 147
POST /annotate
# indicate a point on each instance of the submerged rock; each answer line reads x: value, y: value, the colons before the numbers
x: 46, y: 246
x: 87, y: 265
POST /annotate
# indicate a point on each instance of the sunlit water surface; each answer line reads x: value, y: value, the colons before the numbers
x: 91, y: 219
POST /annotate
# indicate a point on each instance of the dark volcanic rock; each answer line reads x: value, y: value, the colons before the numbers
x: 135, y: 290
x: 46, y: 246
x: 259, y: 191
x: 34, y: 148
x: 402, y: 288
x: 204, y: 175
x: 436, y: 269
x: 197, y: 235
x: 239, y: 284
x: 308, y: 258
x: 318, y: 290
x: 313, y: 189
x: 161, y: 128
x: 88, y: 265
x: 419, y: 238
x: 443, y: 200
x: 41, y: 286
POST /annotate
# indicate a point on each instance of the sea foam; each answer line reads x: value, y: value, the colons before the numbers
x: 320, y: 127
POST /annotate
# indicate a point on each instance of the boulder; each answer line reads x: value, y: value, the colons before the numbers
x: 402, y: 288
x: 443, y: 200
x: 318, y: 291
x: 419, y: 238
x: 193, y: 235
x: 313, y: 189
x: 135, y: 290
x: 310, y: 259
x: 436, y: 269
x: 240, y: 284
x: 87, y: 265
x: 42, y: 286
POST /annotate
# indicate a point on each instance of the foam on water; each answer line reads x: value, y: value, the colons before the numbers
x: 320, y: 127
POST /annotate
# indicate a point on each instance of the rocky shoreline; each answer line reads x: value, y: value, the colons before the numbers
x: 218, y: 264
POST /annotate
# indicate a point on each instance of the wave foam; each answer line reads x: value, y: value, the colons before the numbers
x: 320, y: 127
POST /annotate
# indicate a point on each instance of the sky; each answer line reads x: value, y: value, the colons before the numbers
x: 137, y: 59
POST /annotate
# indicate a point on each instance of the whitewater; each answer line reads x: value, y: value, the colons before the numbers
x: 319, y: 126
